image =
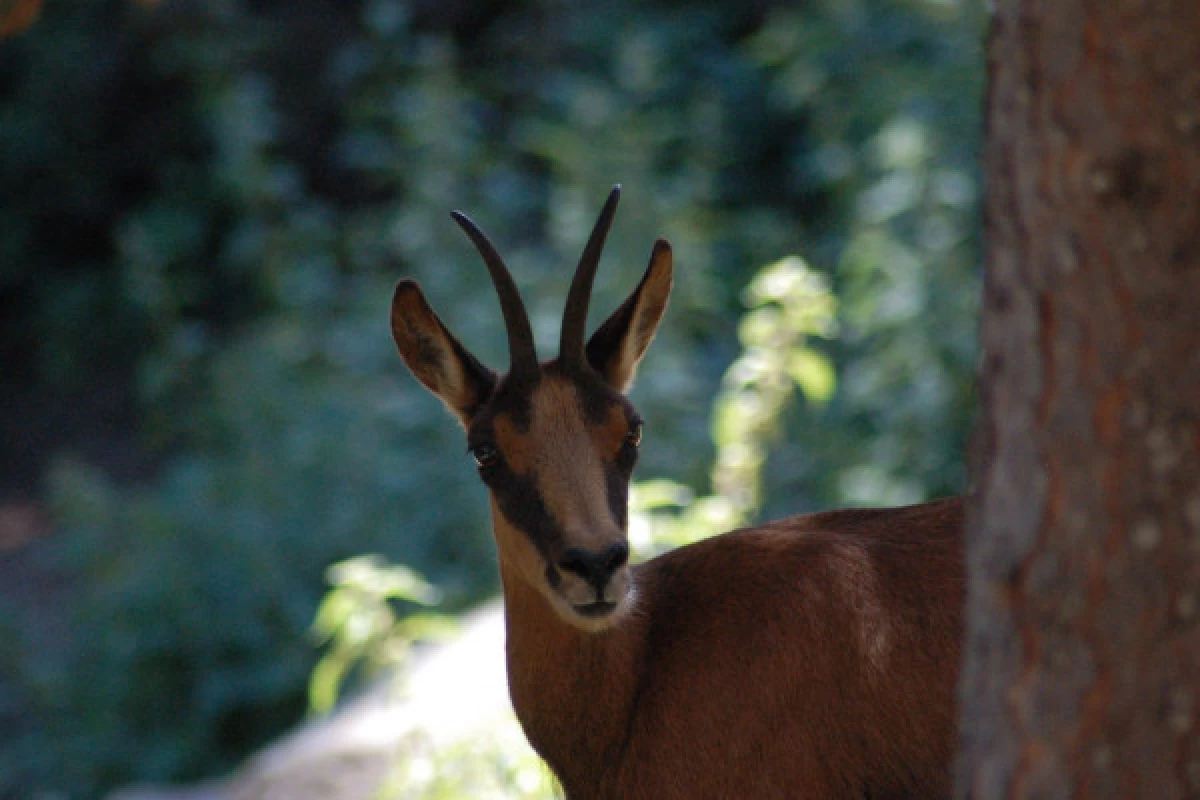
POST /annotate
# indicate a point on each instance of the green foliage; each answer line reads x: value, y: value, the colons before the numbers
x: 357, y: 622
x: 893, y: 144
x: 788, y: 304
x: 210, y: 203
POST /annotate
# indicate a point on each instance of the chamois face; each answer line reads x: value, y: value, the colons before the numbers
x: 555, y: 443
x: 556, y: 453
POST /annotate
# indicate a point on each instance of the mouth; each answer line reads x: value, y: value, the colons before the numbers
x: 600, y: 608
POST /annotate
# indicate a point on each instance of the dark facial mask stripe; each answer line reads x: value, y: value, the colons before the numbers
x: 616, y: 482
x: 521, y: 504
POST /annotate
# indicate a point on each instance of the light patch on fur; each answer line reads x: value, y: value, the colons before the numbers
x: 859, y: 584
x: 625, y: 606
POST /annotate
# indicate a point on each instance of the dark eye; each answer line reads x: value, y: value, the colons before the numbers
x: 485, y: 455
x: 634, y: 437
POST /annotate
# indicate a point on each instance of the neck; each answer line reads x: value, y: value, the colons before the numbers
x: 572, y: 690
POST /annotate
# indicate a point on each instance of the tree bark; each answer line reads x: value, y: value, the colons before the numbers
x: 1082, y: 661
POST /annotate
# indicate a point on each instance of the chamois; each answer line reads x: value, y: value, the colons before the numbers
x: 811, y: 657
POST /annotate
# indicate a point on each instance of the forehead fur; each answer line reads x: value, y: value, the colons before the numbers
x: 550, y: 401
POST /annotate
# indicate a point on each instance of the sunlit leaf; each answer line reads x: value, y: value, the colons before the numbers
x: 814, y: 374
x: 324, y: 683
x: 659, y: 493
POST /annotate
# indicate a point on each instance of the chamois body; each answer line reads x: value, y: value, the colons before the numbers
x: 812, y: 658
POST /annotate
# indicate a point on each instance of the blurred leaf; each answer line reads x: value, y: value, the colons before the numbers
x: 357, y: 623
x: 813, y: 373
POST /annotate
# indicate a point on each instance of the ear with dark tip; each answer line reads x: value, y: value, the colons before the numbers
x: 617, y: 346
x: 435, y: 357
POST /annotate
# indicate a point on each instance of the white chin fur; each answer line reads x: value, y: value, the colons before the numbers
x: 593, y: 624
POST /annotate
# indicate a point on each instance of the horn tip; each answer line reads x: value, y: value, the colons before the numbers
x: 467, y: 224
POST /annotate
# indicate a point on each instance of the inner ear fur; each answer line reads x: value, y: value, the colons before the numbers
x: 617, y: 346
x: 435, y: 357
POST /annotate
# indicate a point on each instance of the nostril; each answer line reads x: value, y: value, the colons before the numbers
x: 595, y: 567
x: 576, y: 561
x: 615, y: 557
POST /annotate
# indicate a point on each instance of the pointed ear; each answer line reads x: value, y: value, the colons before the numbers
x: 435, y: 357
x: 618, y: 345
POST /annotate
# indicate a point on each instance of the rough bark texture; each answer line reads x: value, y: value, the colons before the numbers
x: 1082, y: 672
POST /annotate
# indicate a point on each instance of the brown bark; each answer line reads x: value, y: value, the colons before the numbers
x: 1082, y: 666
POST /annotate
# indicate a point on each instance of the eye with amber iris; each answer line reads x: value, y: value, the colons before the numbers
x: 485, y: 455
x: 634, y: 437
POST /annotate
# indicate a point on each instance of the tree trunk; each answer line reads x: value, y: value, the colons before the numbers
x: 1082, y: 671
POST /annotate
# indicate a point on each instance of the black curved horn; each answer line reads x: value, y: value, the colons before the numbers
x: 521, y: 352
x: 574, y: 324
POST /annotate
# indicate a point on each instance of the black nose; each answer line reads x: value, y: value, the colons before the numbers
x: 595, y: 566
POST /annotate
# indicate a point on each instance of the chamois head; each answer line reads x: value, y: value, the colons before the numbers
x: 555, y: 442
